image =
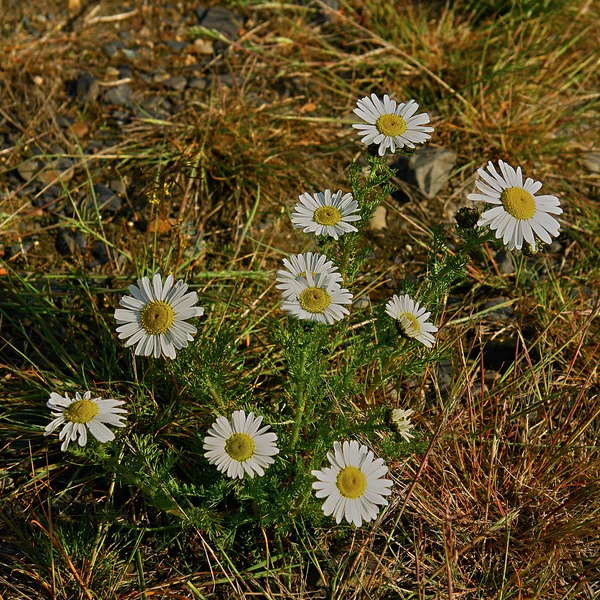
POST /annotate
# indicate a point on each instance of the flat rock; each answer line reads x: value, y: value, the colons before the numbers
x: 428, y: 169
x: 591, y: 160
x: 119, y: 95
x: 378, y: 221
x: 220, y: 19
x: 501, y: 313
x: 87, y: 88
x: 198, y: 83
x: 178, y: 82
x: 46, y: 171
x: 175, y: 45
x: 65, y: 243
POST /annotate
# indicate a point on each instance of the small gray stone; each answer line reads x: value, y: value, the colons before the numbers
x: 361, y: 302
x: 112, y: 48
x: 198, y: 83
x: 502, y: 312
x: 444, y: 371
x: 64, y: 122
x: 178, y: 82
x: 125, y: 71
x: 378, y: 221
x: 175, y: 45
x: 29, y: 169
x: 428, y: 169
x: 80, y: 241
x: 504, y: 260
x: 100, y: 252
x: 220, y: 19
x: 117, y: 186
x: 228, y: 80
x: 107, y: 200
x: 87, y: 87
x: 592, y: 161
x: 65, y: 243
x: 119, y: 95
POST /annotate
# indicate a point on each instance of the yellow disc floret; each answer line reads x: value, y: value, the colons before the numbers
x: 518, y: 203
x: 157, y: 317
x: 410, y: 323
x: 82, y: 411
x: 351, y: 482
x: 391, y: 125
x: 240, y: 446
x: 314, y: 300
x: 327, y: 215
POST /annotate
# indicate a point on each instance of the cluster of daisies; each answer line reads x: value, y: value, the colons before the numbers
x: 154, y: 319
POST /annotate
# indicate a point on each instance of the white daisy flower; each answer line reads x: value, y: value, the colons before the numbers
x: 411, y: 318
x: 319, y: 299
x: 391, y: 125
x: 240, y: 446
x: 81, y: 414
x: 299, y: 265
x: 401, y: 421
x: 519, y: 215
x: 155, y: 317
x: 352, y: 485
x: 326, y: 214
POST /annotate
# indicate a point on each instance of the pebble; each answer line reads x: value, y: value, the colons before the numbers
x: 221, y: 19
x: 117, y: 186
x: 361, y: 302
x: 65, y: 243
x: 178, y: 82
x: 107, y: 200
x: 119, y: 95
x: 505, y: 263
x: 444, y: 371
x: 87, y: 88
x: 591, y: 160
x: 80, y: 240
x: 204, y: 46
x: 502, y: 312
x: 428, y: 169
x: 125, y: 72
x: 198, y: 83
x: 100, y: 252
x: 176, y: 45
x: 378, y: 221
x: 112, y: 48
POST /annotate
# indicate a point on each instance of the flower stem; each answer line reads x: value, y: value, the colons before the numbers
x: 300, y: 400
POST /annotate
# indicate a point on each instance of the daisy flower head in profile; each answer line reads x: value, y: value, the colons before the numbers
x: 353, y: 484
x: 154, y: 316
x: 518, y: 215
x: 411, y: 318
x: 401, y: 421
x: 298, y: 265
x: 316, y: 298
x: 391, y: 125
x: 80, y: 415
x: 240, y: 446
x: 325, y: 213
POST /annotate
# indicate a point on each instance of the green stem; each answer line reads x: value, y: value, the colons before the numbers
x: 300, y: 401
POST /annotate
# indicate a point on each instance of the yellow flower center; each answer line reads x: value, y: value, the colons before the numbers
x: 327, y: 215
x: 82, y: 411
x: 413, y: 323
x: 518, y: 203
x: 351, y: 482
x: 157, y: 317
x: 314, y: 300
x: 391, y: 125
x: 240, y: 446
